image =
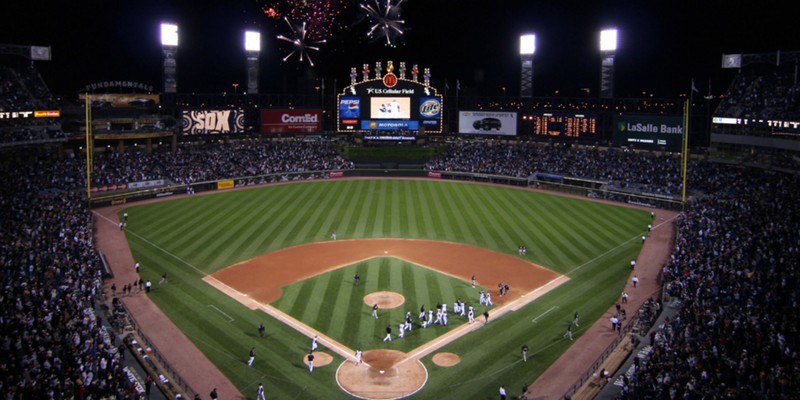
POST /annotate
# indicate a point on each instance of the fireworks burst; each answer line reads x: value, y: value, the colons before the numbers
x: 320, y: 15
x: 385, y: 22
x: 301, y: 44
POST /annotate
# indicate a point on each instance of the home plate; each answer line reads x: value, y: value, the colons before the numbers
x: 381, y: 372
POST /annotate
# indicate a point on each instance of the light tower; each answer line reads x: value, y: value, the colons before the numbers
x: 252, y: 47
x: 527, y: 46
x: 608, y: 47
x: 169, y: 47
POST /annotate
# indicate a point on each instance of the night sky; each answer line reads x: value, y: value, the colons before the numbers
x: 662, y: 45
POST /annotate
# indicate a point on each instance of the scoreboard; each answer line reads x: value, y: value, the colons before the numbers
x: 389, y: 103
x: 564, y: 124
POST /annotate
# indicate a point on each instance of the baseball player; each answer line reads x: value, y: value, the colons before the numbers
x: 313, y: 344
x: 424, y: 320
x: 471, y: 314
x: 489, y: 299
x: 444, y: 317
x: 333, y: 235
x: 402, y: 329
x: 463, y: 308
x: 524, y: 353
x: 261, y: 395
x: 408, y: 321
x: 422, y: 312
x: 430, y: 317
x: 568, y: 334
x: 575, y: 319
x: 438, y: 317
x: 375, y: 311
x: 310, y: 362
x: 252, y: 357
x: 358, y: 357
x: 473, y: 281
x: 482, y: 300
x: 388, y: 337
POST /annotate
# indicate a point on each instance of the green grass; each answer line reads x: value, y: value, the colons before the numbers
x: 592, y: 243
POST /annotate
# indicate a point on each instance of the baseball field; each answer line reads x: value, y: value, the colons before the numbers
x: 234, y: 260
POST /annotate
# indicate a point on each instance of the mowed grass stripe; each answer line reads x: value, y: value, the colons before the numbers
x: 250, y: 222
x: 410, y: 211
x: 323, y: 209
x: 442, y: 228
x: 470, y: 203
x: 462, y: 232
x: 367, y: 213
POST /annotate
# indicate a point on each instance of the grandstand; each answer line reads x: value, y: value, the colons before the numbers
x: 731, y: 284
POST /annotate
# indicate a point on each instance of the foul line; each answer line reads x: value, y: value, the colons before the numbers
x: 545, y: 313
x: 304, y: 329
x: 615, y: 248
x: 221, y: 312
x: 152, y: 244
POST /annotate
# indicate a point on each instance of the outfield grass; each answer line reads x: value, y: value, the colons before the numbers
x: 189, y: 238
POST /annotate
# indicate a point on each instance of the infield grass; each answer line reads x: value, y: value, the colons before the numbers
x: 189, y: 238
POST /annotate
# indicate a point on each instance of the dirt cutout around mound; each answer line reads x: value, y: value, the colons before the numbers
x: 446, y: 359
x: 382, y: 375
x: 384, y: 300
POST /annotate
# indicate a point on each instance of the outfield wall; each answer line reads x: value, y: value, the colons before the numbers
x: 564, y: 184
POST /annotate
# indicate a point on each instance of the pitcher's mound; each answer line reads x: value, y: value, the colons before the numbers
x: 384, y: 374
x: 320, y: 359
x: 446, y: 359
x: 384, y: 299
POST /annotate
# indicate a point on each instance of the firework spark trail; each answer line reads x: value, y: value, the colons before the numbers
x: 386, y: 22
x: 300, y: 45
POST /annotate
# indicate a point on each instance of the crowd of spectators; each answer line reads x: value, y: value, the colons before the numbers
x: 734, y: 272
x: 200, y: 162
x: 759, y: 97
x: 646, y: 171
x: 54, y: 344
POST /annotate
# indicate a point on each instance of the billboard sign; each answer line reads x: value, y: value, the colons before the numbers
x: 487, y: 122
x: 212, y: 122
x: 291, y: 121
x: 649, y: 131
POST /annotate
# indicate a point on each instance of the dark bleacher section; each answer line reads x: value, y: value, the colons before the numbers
x: 23, y: 90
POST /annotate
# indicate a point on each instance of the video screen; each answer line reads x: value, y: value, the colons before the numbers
x: 390, y: 108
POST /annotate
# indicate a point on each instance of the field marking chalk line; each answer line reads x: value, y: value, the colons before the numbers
x: 221, y: 312
x: 545, y: 313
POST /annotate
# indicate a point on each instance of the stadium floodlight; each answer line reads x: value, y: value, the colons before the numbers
x: 252, y: 41
x: 527, y: 44
x: 608, y: 45
x: 608, y: 40
x: 169, y: 34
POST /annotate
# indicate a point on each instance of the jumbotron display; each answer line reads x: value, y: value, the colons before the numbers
x: 389, y: 102
x: 564, y: 124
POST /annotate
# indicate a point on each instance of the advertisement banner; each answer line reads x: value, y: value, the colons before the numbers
x: 649, y: 131
x: 212, y: 122
x: 291, y: 121
x: 336, y: 174
x: 389, y: 125
x: 227, y: 184
x: 487, y: 122
x: 146, y: 184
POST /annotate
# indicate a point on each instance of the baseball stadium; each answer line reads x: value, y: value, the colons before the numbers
x: 378, y: 231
